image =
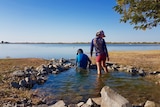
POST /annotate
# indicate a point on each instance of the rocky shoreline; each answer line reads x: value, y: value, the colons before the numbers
x: 27, y: 78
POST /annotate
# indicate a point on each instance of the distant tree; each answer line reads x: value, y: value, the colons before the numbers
x: 144, y: 14
x: 2, y: 41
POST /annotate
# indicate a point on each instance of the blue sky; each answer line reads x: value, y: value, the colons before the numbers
x: 66, y: 21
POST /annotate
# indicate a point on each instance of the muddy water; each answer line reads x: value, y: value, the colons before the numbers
x: 73, y: 87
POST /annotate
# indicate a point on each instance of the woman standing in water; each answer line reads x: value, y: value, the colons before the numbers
x: 101, y: 51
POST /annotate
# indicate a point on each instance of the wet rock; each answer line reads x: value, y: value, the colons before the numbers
x: 41, y: 79
x: 55, y: 72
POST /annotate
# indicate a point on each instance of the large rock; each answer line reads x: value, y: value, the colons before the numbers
x: 112, y: 99
x: 150, y: 104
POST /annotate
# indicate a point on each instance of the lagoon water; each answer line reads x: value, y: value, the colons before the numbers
x: 72, y: 86
x: 68, y: 51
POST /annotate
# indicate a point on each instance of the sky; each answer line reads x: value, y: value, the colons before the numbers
x: 66, y: 21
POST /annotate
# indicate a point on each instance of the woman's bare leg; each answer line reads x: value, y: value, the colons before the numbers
x: 103, y: 63
x: 98, y: 68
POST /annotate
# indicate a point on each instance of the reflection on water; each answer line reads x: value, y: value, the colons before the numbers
x: 135, y: 89
x: 73, y: 87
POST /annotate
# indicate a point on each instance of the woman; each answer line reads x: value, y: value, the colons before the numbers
x: 101, y: 51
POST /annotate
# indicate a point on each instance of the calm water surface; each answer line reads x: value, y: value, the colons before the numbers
x: 73, y: 86
x: 48, y: 51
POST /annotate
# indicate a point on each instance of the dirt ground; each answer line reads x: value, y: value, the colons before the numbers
x: 148, y: 60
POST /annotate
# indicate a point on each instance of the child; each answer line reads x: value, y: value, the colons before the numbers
x: 82, y: 60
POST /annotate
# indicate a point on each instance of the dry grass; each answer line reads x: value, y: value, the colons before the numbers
x: 148, y: 60
x: 7, y: 66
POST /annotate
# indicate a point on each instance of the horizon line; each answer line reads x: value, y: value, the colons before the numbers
x: 3, y: 42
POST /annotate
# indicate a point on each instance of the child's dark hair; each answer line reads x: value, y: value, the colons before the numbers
x: 79, y: 51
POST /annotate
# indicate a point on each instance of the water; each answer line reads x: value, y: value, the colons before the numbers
x: 74, y: 87
x: 68, y: 51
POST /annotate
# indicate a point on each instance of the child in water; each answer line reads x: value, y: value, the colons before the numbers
x: 82, y: 60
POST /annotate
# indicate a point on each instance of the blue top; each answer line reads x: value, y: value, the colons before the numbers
x: 82, y: 60
x: 100, y: 46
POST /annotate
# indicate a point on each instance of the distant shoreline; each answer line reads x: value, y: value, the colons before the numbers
x: 2, y: 42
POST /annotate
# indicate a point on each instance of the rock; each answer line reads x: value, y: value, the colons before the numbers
x: 112, y: 99
x: 41, y: 79
x: 89, y: 102
x: 141, y: 72
x: 149, y: 104
x: 19, y: 73
x: 15, y: 85
x: 23, y: 83
x: 72, y: 105
x: 60, y: 103
x: 97, y: 100
x: 80, y: 104
x: 7, y: 105
x: 27, y: 69
x: 85, y: 105
x: 41, y: 105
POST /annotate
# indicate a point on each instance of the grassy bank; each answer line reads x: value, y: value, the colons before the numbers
x: 7, y: 66
x: 148, y: 60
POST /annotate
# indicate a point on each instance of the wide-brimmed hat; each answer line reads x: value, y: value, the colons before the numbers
x: 100, y: 33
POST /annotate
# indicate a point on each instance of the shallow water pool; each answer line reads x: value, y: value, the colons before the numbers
x: 73, y: 87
